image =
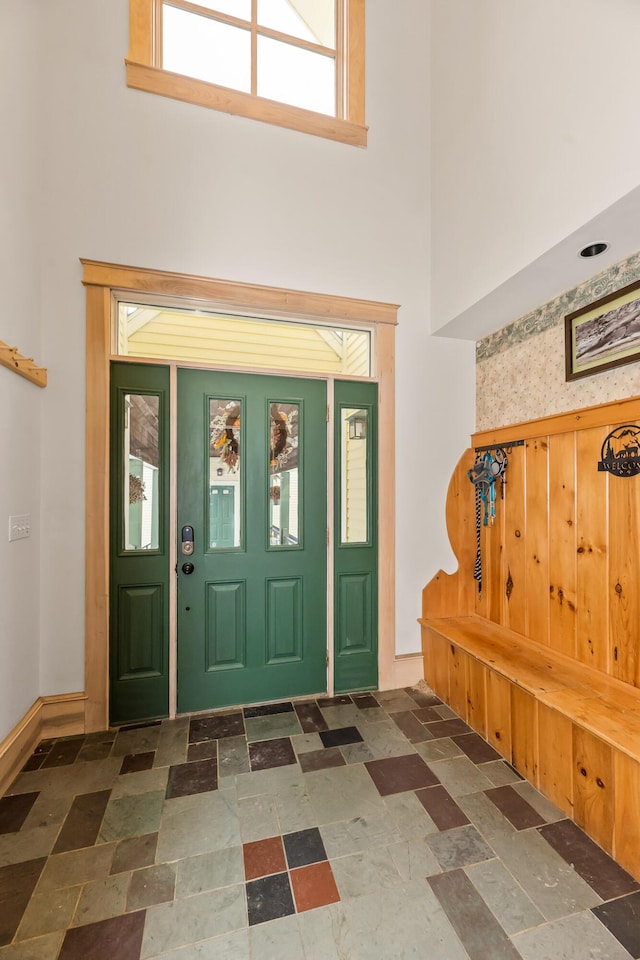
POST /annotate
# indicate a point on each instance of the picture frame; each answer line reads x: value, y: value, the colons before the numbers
x: 603, y: 334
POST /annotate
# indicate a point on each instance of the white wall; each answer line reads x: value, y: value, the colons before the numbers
x: 132, y: 178
x: 20, y: 401
x: 535, y: 131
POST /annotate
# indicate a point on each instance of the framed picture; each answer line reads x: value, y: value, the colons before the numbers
x: 603, y: 334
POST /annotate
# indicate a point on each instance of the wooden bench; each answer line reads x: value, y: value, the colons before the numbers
x: 544, y: 661
x: 573, y: 732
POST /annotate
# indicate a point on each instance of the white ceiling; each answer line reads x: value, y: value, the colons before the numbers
x: 554, y: 272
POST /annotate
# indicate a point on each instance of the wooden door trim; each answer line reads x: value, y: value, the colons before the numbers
x: 102, y: 281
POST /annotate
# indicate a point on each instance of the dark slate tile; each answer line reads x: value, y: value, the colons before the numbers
x: 310, y: 718
x: 63, y: 753
x: 303, y: 847
x: 423, y: 699
x: 216, y: 727
x: 514, y: 807
x: 186, y: 779
x: 427, y: 715
x: 622, y: 919
x: 482, y: 936
x: 365, y: 701
x: 82, y: 824
x: 264, y: 754
x: 15, y: 810
x: 341, y: 736
x: 397, y: 774
x: 34, y: 762
x: 603, y: 874
x: 269, y: 898
x: 334, y: 701
x: 442, y: 808
x: 119, y: 937
x: 205, y: 750
x: 477, y: 749
x: 135, y: 762
x: 413, y: 729
x: 134, y: 853
x: 321, y: 759
x: 140, y: 726
x: 268, y: 710
x: 43, y: 747
x: 17, y: 883
x: 448, y: 728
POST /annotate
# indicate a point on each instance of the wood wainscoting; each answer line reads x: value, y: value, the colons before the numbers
x: 49, y: 717
x: 544, y: 662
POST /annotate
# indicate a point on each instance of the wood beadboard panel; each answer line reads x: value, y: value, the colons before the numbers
x: 499, y: 714
x: 537, y: 540
x: 562, y: 537
x: 592, y: 547
x: 593, y: 787
x: 555, y: 758
x: 436, y: 663
x: 49, y: 717
x: 626, y: 840
x: 458, y: 681
x: 477, y: 696
x: 524, y: 734
x: 624, y: 579
x: 513, y: 508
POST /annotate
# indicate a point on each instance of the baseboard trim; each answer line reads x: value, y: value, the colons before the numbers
x: 58, y: 716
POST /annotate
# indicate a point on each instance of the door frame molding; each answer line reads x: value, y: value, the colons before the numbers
x: 106, y: 282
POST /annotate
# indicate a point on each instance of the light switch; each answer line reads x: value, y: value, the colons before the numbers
x: 20, y: 526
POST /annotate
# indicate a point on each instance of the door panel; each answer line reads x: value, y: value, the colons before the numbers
x: 252, y: 614
x: 139, y: 565
x: 356, y: 537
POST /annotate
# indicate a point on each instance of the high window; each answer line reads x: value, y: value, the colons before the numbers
x: 295, y: 63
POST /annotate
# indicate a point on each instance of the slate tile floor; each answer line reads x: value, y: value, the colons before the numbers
x: 373, y: 826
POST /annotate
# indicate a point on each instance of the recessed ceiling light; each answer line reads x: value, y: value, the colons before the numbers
x: 593, y: 250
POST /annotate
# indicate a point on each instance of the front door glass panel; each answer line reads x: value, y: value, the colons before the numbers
x: 225, y: 474
x: 285, y: 488
x: 354, y: 486
x: 141, y: 462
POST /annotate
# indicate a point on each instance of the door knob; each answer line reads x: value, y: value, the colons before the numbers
x: 187, y: 568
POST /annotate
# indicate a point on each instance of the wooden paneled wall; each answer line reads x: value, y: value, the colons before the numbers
x: 561, y: 565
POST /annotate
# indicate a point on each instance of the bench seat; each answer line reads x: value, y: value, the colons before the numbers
x: 572, y: 731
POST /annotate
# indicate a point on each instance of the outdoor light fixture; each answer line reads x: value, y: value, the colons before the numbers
x: 358, y: 425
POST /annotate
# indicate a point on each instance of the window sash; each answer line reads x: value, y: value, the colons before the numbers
x: 145, y: 72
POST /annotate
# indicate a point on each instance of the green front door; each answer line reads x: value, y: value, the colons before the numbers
x: 251, y: 622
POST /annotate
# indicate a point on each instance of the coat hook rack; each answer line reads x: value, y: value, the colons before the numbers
x: 24, y: 366
x: 504, y: 446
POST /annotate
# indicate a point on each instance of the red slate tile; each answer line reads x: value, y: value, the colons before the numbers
x: 413, y: 729
x: 314, y: 886
x: 17, y: 882
x: 263, y: 857
x: 477, y: 749
x: 427, y: 715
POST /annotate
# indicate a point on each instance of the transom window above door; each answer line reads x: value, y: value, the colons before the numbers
x: 296, y: 63
x: 217, y: 339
